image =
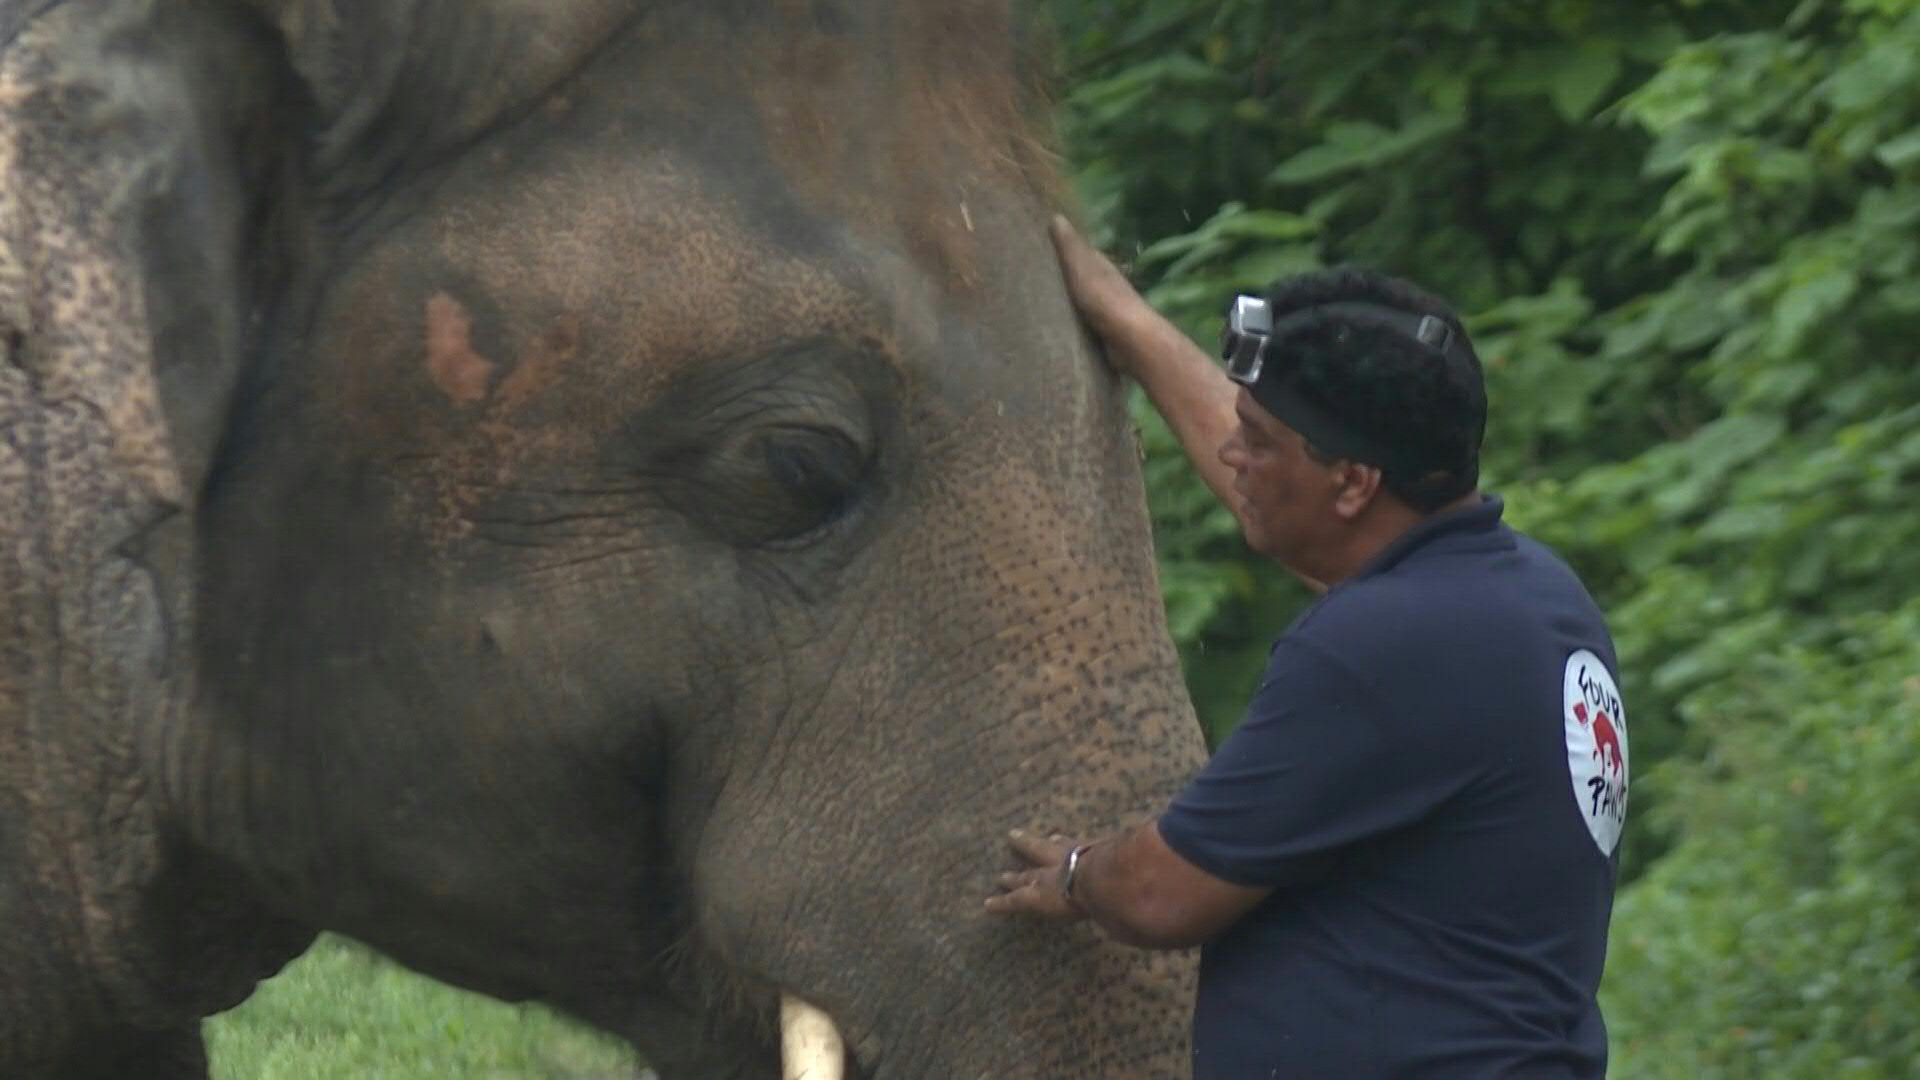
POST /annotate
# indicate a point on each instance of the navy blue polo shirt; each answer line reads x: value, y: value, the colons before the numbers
x: 1432, y: 777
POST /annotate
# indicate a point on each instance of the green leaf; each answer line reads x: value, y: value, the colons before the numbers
x: 1884, y: 70
x: 1901, y: 150
x: 1732, y: 441
x: 1232, y: 232
x: 1585, y: 77
x: 1362, y: 145
x: 1808, y: 302
x: 1456, y: 15
x: 1742, y: 523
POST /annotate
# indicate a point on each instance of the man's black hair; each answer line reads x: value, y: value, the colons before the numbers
x: 1384, y: 384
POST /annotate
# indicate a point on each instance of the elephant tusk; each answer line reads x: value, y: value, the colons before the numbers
x: 810, y: 1046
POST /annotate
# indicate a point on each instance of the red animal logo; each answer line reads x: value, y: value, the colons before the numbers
x: 1606, y: 740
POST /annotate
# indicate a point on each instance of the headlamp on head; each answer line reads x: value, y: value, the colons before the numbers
x: 1247, y: 346
x: 1248, y: 337
x: 1243, y: 344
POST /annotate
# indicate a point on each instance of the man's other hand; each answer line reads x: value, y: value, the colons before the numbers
x: 1038, y: 889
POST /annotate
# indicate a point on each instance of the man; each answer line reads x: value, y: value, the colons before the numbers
x: 1402, y: 862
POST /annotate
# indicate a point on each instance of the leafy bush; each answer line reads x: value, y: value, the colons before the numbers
x: 1781, y: 936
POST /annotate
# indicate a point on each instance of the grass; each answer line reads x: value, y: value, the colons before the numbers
x: 343, y: 1011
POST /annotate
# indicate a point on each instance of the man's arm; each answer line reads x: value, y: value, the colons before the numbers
x: 1133, y: 886
x: 1188, y: 388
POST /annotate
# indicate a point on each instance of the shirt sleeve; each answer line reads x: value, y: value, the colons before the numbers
x: 1319, y: 763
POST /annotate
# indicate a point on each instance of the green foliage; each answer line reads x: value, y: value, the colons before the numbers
x: 1687, y: 239
x: 1781, y: 936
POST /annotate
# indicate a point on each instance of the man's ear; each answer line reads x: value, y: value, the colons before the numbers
x: 1357, y: 488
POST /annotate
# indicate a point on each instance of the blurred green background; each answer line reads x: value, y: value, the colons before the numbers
x: 1686, y: 236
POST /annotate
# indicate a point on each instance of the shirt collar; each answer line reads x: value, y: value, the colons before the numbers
x: 1474, y: 518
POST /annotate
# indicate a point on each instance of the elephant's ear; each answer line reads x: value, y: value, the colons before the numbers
x: 401, y: 84
x: 151, y: 153
x: 138, y: 144
x: 139, y: 141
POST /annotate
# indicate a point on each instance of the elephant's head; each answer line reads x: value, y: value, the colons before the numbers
x: 671, y: 526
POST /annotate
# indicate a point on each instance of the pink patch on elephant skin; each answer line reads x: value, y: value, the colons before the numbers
x: 461, y: 373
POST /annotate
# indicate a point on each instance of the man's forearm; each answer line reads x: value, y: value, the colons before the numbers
x: 1115, y: 887
x: 1097, y: 891
x: 1133, y: 886
x: 1190, y: 391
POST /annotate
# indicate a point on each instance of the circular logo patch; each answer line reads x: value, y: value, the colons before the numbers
x: 1597, y: 747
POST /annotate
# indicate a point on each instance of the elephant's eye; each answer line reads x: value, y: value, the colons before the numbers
x: 781, y: 486
x: 819, y: 473
x: 780, y: 453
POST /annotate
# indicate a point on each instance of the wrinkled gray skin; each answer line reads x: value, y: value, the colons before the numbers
x: 606, y: 502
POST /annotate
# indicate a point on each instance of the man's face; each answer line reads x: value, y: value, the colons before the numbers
x: 1286, y: 497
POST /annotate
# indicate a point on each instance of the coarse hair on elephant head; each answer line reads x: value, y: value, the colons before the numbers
x: 638, y: 518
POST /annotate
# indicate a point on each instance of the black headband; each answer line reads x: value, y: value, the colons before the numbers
x: 1324, y: 431
x: 1254, y: 362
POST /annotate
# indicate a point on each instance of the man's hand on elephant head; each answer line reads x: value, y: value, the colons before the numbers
x: 1112, y: 308
x: 1041, y: 888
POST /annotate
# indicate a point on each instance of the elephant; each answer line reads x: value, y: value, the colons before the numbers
x: 606, y: 502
